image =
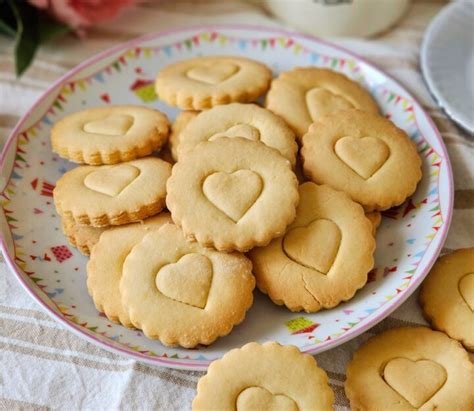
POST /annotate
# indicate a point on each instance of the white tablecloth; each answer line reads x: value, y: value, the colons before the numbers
x: 43, y: 365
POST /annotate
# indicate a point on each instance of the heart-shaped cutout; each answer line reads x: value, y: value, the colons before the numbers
x: 363, y: 155
x: 416, y: 381
x: 233, y: 193
x: 112, y: 125
x: 314, y: 246
x: 239, y: 130
x: 213, y: 74
x: 466, y: 289
x: 259, y: 398
x: 111, y: 180
x: 187, y: 281
x: 321, y: 101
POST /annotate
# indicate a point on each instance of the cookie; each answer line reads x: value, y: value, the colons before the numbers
x: 104, y: 269
x: 323, y: 258
x: 240, y: 120
x: 303, y: 95
x: 264, y: 377
x: 112, y: 195
x: 232, y: 194
x: 447, y: 296
x: 204, y: 82
x: 182, y: 120
x: 83, y: 237
x: 375, y: 218
x: 363, y: 154
x: 182, y: 293
x: 109, y: 135
x: 410, y: 368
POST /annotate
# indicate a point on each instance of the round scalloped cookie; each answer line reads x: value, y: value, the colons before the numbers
x: 363, y: 154
x: 264, y: 377
x: 447, y: 296
x: 104, y: 269
x: 232, y: 194
x: 323, y: 258
x: 410, y: 368
x: 239, y: 120
x: 184, y: 294
x: 302, y: 95
x: 204, y: 82
x: 112, y: 195
x: 109, y: 135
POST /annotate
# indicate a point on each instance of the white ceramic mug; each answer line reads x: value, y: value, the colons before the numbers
x: 339, y: 17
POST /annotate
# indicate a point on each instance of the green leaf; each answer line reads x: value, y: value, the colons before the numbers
x: 49, y: 29
x: 6, y: 29
x: 7, y: 20
x: 27, y: 39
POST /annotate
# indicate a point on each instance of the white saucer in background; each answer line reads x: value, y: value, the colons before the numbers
x: 447, y: 61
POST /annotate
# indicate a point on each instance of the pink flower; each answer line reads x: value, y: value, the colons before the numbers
x: 82, y: 13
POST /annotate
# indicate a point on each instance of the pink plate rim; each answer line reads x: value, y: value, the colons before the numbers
x: 168, y: 362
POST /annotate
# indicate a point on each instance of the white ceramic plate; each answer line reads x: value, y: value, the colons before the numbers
x: 54, y: 273
x: 447, y: 61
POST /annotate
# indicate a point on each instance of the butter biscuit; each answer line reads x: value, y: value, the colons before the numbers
x: 410, y: 368
x: 232, y: 194
x: 447, y: 296
x: 303, y: 95
x: 200, y: 83
x: 240, y: 120
x: 112, y: 195
x: 184, y: 294
x: 323, y: 258
x: 109, y: 135
x: 363, y: 154
x: 264, y: 377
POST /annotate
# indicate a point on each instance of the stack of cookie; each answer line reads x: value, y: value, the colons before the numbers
x: 181, y: 276
x: 298, y: 187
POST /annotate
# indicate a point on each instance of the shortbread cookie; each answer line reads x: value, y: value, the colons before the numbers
x: 375, y: 218
x: 363, y: 154
x: 232, y: 194
x: 240, y: 120
x: 182, y: 120
x: 83, y: 237
x: 302, y: 95
x: 410, y: 368
x: 323, y: 258
x: 109, y: 135
x: 104, y: 269
x: 182, y: 293
x: 113, y: 195
x: 447, y: 296
x: 264, y: 377
x: 204, y: 82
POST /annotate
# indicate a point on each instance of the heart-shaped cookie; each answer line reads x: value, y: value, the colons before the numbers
x: 187, y: 281
x: 321, y: 101
x: 233, y: 193
x: 466, y: 289
x: 111, y: 180
x: 239, y: 130
x: 213, y: 74
x: 314, y: 246
x: 363, y: 155
x: 416, y: 381
x: 112, y: 125
x: 259, y: 398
